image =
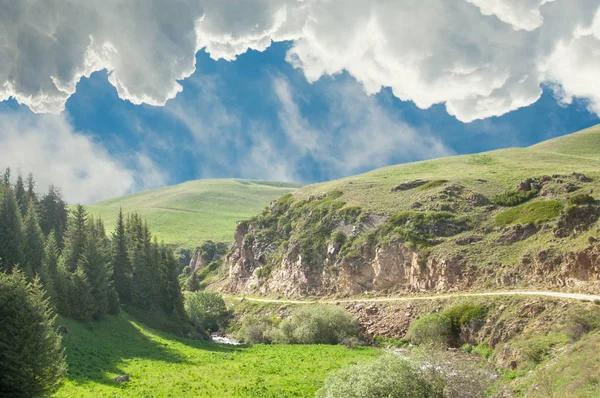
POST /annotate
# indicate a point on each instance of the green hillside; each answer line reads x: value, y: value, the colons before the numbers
x: 487, y: 173
x: 164, y: 365
x: 190, y: 213
x: 585, y: 143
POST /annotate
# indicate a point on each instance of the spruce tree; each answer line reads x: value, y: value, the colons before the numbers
x: 63, y: 290
x: 172, y: 297
x: 50, y: 267
x: 21, y: 195
x: 31, y: 194
x: 33, y: 250
x: 11, y: 230
x: 75, y: 238
x: 81, y: 304
x: 53, y: 215
x: 6, y: 177
x: 122, y: 272
x: 96, y: 268
x: 32, y: 361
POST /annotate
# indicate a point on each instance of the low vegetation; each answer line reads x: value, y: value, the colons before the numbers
x: 513, y: 197
x: 535, y: 212
x: 393, y: 376
x: 432, y: 329
x: 207, y: 311
x: 317, y: 324
x: 581, y: 199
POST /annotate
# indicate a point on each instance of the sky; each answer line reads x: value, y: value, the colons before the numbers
x: 106, y: 98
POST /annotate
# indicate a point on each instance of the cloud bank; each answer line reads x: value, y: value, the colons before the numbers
x: 85, y: 172
x: 481, y: 58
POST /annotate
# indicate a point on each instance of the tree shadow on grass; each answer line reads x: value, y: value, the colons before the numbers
x: 96, y: 351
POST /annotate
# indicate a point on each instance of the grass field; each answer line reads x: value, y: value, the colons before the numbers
x: 190, y: 213
x: 487, y: 173
x: 163, y: 365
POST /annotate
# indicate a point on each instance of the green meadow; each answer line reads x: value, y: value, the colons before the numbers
x: 164, y: 365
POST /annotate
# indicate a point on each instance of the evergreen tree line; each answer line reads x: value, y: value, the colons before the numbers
x: 85, y: 273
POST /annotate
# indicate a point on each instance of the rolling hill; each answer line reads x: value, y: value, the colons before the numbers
x: 187, y: 214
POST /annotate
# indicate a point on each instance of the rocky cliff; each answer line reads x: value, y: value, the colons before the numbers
x: 539, y: 235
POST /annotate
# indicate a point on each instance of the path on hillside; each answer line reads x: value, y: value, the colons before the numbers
x: 568, y: 296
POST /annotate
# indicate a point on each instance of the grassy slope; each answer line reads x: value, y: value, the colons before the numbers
x: 502, y: 169
x: 163, y: 365
x: 190, y: 213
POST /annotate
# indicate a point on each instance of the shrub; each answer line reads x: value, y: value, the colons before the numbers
x: 432, y: 329
x: 206, y: 310
x: 583, y: 323
x: 482, y: 349
x: 432, y: 184
x: 462, y: 315
x: 581, y: 199
x: 254, y: 330
x: 390, y: 376
x: 318, y: 324
x: 31, y: 358
x: 539, y: 211
x: 385, y: 342
x: 513, y: 198
x: 426, y: 374
x: 338, y: 237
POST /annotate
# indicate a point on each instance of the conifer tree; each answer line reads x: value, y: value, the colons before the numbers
x: 63, y: 289
x: 95, y: 266
x: 172, y: 298
x: 122, y: 272
x: 81, y: 305
x: 6, y: 177
x: 31, y: 194
x: 11, y: 230
x: 21, y: 195
x: 31, y: 357
x: 53, y: 214
x: 50, y: 266
x: 75, y: 238
x: 33, y: 250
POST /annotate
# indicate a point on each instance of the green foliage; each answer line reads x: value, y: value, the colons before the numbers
x: 431, y: 329
x: 338, y: 237
x: 121, y: 265
x: 535, y: 212
x: 462, y: 315
x: 76, y: 236
x: 514, y: 197
x: 11, y: 230
x: 53, y: 215
x: 385, y: 342
x: 581, y: 323
x: 318, y: 324
x: 432, y: 184
x: 21, y: 195
x: 31, y: 357
x: 33, y: 248
x: 389, y: 376
x: 315, y: 324
x: 581, y: 199
x: 207, y: 310
x: 480, y: 160
x: 483, y: 350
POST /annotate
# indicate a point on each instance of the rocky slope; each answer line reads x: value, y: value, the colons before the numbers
x: 464, y: 232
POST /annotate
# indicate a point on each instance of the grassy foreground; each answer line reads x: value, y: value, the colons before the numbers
x: 163, y: 365
x: 190, y: 213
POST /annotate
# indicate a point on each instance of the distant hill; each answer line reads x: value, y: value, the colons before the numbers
x: 190, y: 213
x: 585, y: 143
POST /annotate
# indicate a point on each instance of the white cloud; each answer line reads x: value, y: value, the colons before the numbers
x: 85, y: 172
x: 481, y: 58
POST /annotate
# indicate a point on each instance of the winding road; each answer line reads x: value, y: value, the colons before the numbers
x: 560, y: 295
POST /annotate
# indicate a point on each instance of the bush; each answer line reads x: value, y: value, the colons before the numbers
x: 581, y: 199
x: 431, y: 184
x: 206, y: 310
x: 390, y: 376
x: 462, y: 315
x: 426, y: 374
x: 583, y: 323
x: 315, y: 324
x: 539, y: 211
x: 318, y: 324
x: 513, y: 198
x: 386, y: 342
x: 31, y: 358
x: 432, y: 329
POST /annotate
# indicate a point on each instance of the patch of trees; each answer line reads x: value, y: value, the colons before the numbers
x: 66, y: 261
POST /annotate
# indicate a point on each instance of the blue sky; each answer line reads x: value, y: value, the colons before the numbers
x: 286, y: 111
